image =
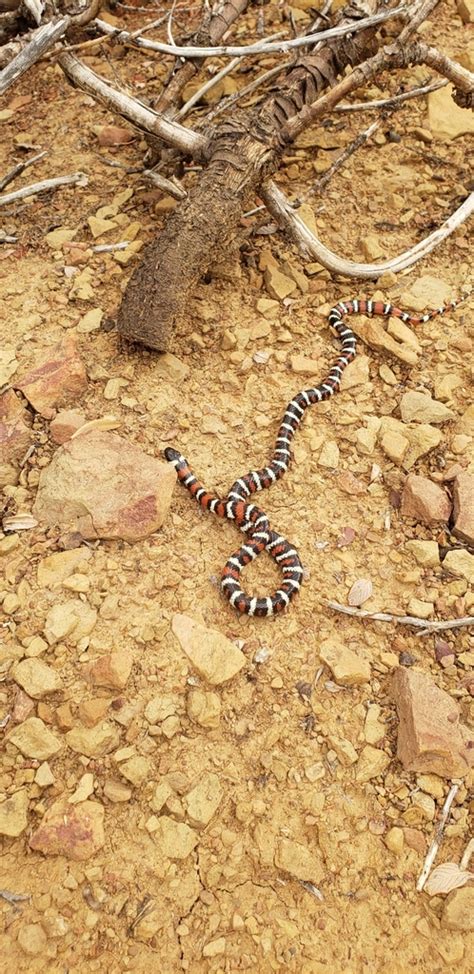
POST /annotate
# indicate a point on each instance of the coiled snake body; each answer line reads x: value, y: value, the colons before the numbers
x: 250, y: 518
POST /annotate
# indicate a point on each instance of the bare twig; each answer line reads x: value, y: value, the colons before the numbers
x: 19, y: 168
x: 281, y: 209
x: 414, y: 621
x: 77, y: 178
x: 170, y: 186
x: 372, y: 106
x: 262, y: 47
x: 438, y: 838
x: 229, y: 102
x: 467, y: 855
x: 207, y: 87
x: 39, y: 42
x: 191, y: 143
x: 349, y: 150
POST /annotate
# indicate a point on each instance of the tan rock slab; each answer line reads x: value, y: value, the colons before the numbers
x: 105, y: 487
x: 15, y: 434
x: 136, y: 770
x: 94, y: 742
x: 35, y: 740
x: 431, y: 738
x: 424, y: 500
x: 372, y: 763
x: 446, y: 120
x: 299, y: 861
x: 425, y: 553
x: 176, y: 840
x: 203, y: 800
x: 69, y: 621
x: 214, y: 656
x: 347, y: 667
x: 204, y: 708
x: 278, y: 285
x: 73, y: 831
x: 460, y: 562
x: 32, y: 939
x: 422, y: 408
x: 37, y: 678
x: 61, y: 376
x: 55, y: 568
x: 463, y: 507
x: 13, y: 813
x: 458, y: 911
x: 111, y: 670
x: 427, y: 291
x: 65, y: 424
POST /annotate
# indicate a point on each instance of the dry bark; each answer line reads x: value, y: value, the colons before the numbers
x: 243, y: 151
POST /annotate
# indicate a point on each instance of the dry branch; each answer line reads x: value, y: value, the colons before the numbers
x: 75, y: 179
x: 282, y: 210
x: 438, y: 838
x: 422, y: 624
x: 143, y: 118
x: 374, y: 106
x: 264, y: 46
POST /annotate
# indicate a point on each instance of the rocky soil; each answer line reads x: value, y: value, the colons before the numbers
x: 182, y: 788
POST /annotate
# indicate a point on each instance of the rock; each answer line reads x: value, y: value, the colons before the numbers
x: 54, y: 569
x: 214, y: 948
x: 371, y: 247
x: 446, y: 120
x: 65, y: 424
x: 92, y: 711
x: 465, y: 423
x: 445, y: 385
x: 347, y: 668
x: 94, y: 742
x: 425, y: 553
x: 460, y: 562
x: 136, y: 770
x: 104, y: 487
x: 8, y: 364
x: 59, y: 377
x: 203, y: 800
x: 13, y: 814
x: 117, y: 791
x: 111, y: 670
x: 37, y: 678
x: 465, y: 10
x: 422, y: 439
x: 458, y: 912
x: 35, y: 740
x: 374, y: 729
x: 176, y: 840
x: 204, y: 707
x: 395, y: 446
x: 299, y: 861
x: 430, y: 736
x: 426, y: 292
x: 329, y: 456
x: 56, y: 238
x: 344, y: 750
x: 421, y: 408
x: 373, y: 334
x: 424, y: 500
x: 394, y: 840
x: 302, y: 365
x: 399, y: 330
x: 32, y: 939
x: 69, y: 621
x: 365, y: 440
x: 278, y: 285
x: 161, y: 707
x: 420, y: 609
x: 372, y: 763
x: 214, y: 656
x: 15, y: 434
x: 73, y: 831
x: 44, y: 777
x: 84, y: 789
x: 463, y: 507
x: 356, y: 373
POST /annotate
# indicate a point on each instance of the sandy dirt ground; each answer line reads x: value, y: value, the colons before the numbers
x: 277, y: 753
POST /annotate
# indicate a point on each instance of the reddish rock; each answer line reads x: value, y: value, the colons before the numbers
x: 424, y: 500
x: 431, y: 738
x: 463, y: 507
x: 112, y: 670
x: 102, y: 486
x: 15, y: 434
x: 73, y: 831
x: 59, y: 377
x: 65, y: 424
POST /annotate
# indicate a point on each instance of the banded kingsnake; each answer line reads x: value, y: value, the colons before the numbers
x: 250, y: 518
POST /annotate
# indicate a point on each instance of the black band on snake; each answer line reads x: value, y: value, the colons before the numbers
x: 250, y: 518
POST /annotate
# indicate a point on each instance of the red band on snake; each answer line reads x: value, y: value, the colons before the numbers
x: 250, y: 518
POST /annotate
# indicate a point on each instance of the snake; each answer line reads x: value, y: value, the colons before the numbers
x: 247, y: 516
